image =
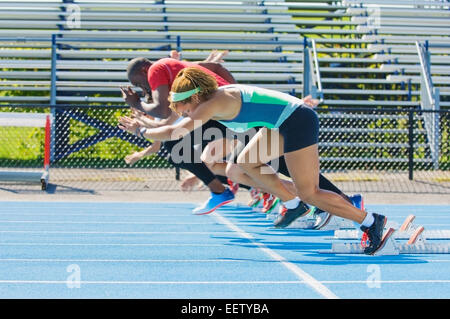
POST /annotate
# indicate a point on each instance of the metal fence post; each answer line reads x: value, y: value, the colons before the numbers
x: 436, y: 126
x: 179, y: 45
x: 411, y: 144
x: 60, y: 125
x: 306, y: 69
x: 53, y: 98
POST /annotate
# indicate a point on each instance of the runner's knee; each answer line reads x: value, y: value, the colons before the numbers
x: 245, y: 164
x: 233, y: 171
x: 308, y: 194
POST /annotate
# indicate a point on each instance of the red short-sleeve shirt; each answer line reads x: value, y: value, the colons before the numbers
x: 164, y: 71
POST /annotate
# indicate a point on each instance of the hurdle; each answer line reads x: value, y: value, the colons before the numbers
x: 417, y: 241
x: 28, y: 120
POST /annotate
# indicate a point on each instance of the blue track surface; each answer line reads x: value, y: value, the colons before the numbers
x: 148, y: 250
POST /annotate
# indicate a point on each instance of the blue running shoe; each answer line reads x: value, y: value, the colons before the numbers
x: 357, y: 201
x: 214, y: 202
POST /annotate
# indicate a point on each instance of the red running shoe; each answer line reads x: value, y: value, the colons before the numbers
x: 269, y: 203
x: 233, y: 186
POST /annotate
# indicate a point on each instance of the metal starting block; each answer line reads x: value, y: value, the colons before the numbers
x: 302, y: 223
x: 274, y: 212
x: 416, y: 244
x: 339, y: 224
x: 405, y: 232
x: 334, y: 224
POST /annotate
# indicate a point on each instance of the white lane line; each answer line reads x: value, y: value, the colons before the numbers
x: 387, y: 282
x: 118, y: 244
x: 174, y: 245
x: 90, y: 209
x: 99, y: 222
x: 152, y: 282
x: 89, y: 214
x: 118, y: 260
x: 106, y: 205
x: 44, y: 282
x: 308, y: 279
x: 112, y: 232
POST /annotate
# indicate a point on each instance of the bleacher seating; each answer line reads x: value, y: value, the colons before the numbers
x: 367, y: 57
x: 356, y: 57
x: 90, y: 70
x: 365, y: 49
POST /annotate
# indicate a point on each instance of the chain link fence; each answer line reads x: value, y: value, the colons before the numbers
x: 361, y: 150
x: 386, y: 150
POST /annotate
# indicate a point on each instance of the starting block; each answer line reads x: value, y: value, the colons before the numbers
x: 302, y: 223
x: 335, y: 223
x: 343, y: 226
x: 338, y: 223
x: 405, y: 232
x: 258, y: 206
x: 415, y: 236
x: 274, y: 212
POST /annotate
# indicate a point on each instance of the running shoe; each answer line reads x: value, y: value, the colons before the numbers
x: 282, y: 210
x: 322, y: 218
x: 233, y: 186
x: 287, y: 216
x: 270, y: 202
x: 372, y: 239
x: 256, y: 197
x: 214, y: 202
x: 357, y: 201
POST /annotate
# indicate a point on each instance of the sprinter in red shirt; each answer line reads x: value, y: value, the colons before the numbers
x: 155, y: 79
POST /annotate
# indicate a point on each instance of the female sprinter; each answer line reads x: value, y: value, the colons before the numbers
x: 290, y: 129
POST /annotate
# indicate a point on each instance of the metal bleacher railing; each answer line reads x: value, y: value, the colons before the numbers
x: 178, y: 43
x: 344, y: 61
x: 65, y: 63
x: 62, y: 146
x: 61, y: 65
x: 312, y: 84
x: 430, y: 98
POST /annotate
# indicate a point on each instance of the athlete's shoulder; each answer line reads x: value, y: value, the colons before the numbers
x: 228, y: 93
x: 163, y: 61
